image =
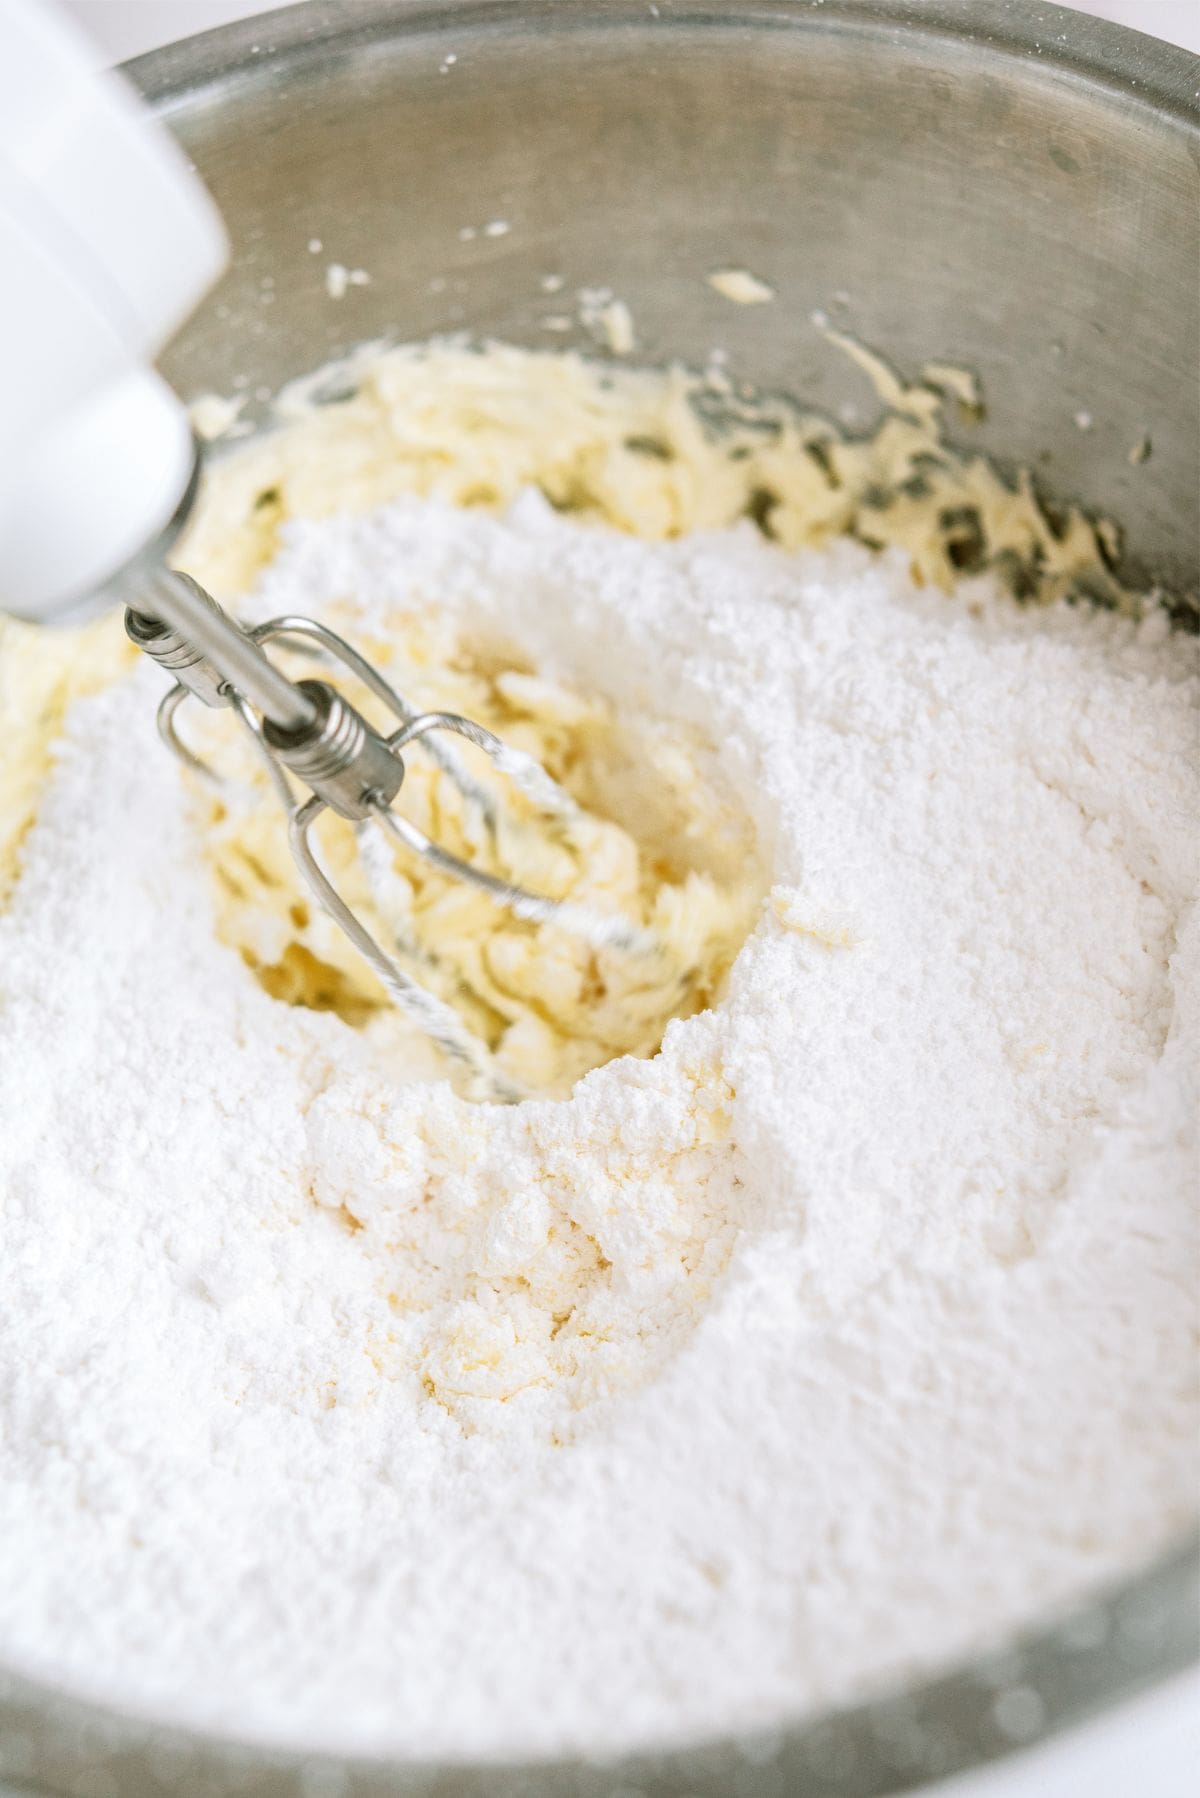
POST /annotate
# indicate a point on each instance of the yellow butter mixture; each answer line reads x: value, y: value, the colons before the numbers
x: 654, y: 840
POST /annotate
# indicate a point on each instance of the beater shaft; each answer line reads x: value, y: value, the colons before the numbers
x: 217, y: 649
x: 338, y: 754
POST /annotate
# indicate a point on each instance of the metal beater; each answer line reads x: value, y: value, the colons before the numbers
x: 322, y: 753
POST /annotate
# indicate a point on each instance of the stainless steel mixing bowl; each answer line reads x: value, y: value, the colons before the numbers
x: 991, y: 182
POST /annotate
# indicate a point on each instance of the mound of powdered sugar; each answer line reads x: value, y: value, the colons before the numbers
x: 853, y: 1329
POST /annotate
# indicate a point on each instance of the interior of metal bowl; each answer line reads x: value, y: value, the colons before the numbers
x: 1016, y: 196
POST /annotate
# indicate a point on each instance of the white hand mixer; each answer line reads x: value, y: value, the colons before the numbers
x: 107, y: 240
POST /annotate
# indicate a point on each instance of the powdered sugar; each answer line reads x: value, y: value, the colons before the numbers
x: 850, y: 1330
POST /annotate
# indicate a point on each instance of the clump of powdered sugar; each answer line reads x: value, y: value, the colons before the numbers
x: 850, y: 1331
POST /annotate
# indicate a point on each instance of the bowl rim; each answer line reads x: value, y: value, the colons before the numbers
x: 1119, y: 1640
x: 1139, y: 72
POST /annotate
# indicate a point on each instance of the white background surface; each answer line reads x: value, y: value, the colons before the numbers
x: 1150, y: 1749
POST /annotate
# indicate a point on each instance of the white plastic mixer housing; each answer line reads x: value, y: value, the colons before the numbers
x: 107, y: 241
